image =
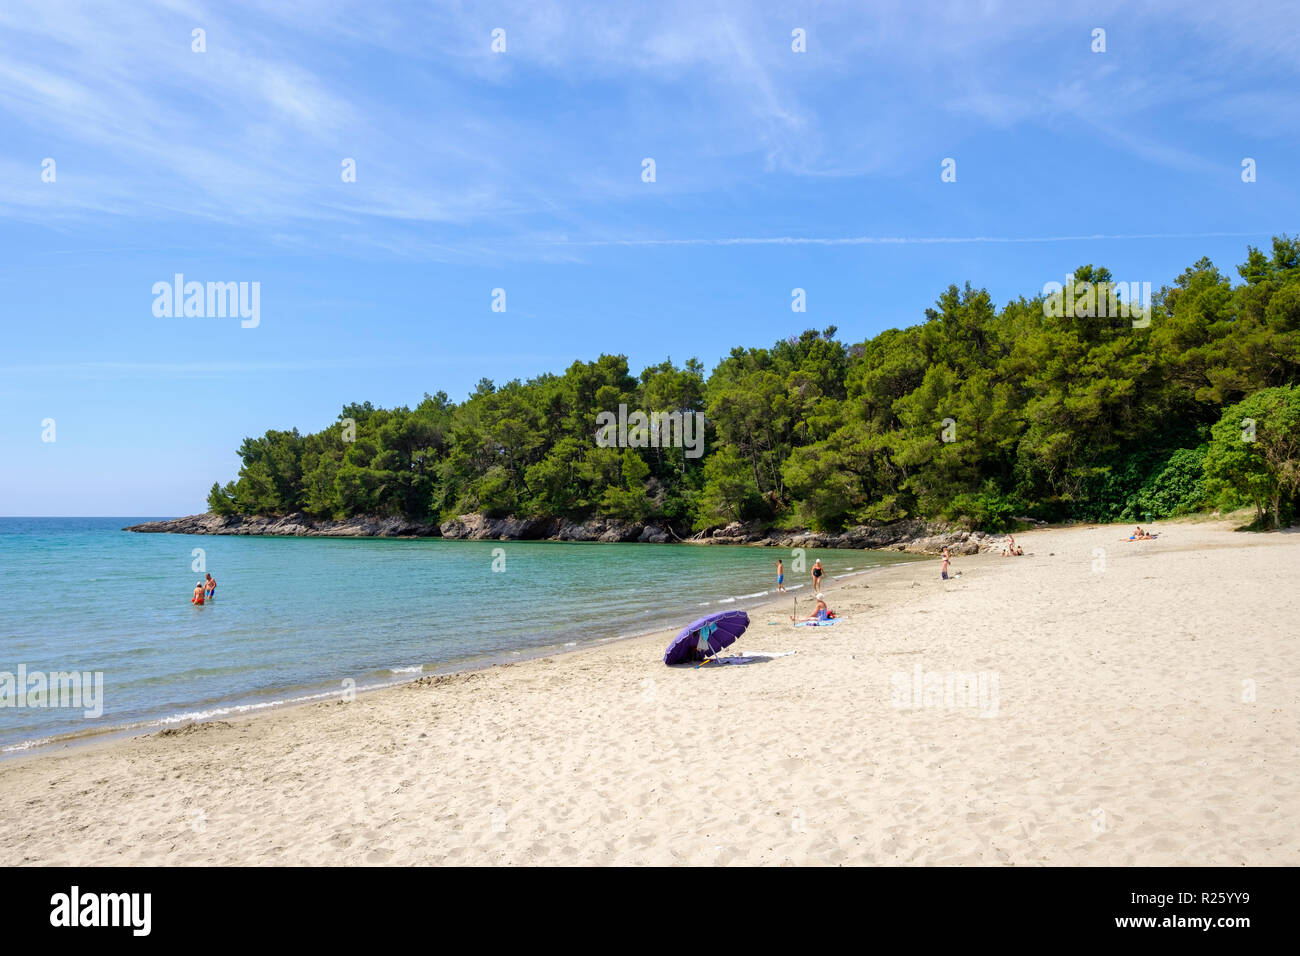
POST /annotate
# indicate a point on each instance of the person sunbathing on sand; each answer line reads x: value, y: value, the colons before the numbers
x: 822, y: 613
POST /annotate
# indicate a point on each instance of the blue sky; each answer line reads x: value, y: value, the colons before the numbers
x: 522, y: 170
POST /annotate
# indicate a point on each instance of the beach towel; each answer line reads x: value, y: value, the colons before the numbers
x: 834, y: 620
x: 750, y: 657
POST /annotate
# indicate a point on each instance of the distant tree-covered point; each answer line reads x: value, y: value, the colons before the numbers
x: 977, y: 415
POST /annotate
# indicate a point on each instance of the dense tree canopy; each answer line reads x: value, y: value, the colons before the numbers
x: 978, y: 414
x: 1254, y: 453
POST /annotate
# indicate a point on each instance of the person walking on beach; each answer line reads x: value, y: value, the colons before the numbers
x: 209, y: 586
x: 198, y: 594
x: 943, y: 568
x: 780, y: 576
x: 817, y: 576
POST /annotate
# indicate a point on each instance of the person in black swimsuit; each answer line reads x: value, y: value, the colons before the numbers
x: 817, y: 576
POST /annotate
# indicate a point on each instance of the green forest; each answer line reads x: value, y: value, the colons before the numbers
x: 978, y: 415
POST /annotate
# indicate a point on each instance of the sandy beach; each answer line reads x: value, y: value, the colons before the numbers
x: 1135, y: 703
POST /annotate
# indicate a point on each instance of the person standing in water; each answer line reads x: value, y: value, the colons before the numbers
x: 780, y: 576
x: 198, y: 594
x: 209, y: 586
x: 817, y: 576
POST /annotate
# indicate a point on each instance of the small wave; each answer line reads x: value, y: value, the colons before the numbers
x: 418, y: 668
x: 241, y: 708
x: 181, y: 718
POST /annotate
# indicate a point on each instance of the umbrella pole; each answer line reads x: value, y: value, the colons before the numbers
x: 703, y: 644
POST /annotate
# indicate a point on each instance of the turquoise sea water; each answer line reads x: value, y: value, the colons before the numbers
x: 295, y: 617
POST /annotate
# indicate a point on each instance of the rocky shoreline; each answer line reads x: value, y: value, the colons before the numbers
x: 913, y: 536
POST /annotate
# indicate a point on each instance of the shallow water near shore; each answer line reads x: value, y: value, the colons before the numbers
x: 294, y: 618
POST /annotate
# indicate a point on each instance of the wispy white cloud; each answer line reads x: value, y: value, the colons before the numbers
x: 455, y: 144
x: 897, y: 240
x: 115, y: 370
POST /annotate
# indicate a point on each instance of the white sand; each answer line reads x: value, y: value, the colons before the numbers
x: 1120, y: 737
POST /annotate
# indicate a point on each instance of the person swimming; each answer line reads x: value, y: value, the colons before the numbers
x: 209, y: 586
x: 198, y: 594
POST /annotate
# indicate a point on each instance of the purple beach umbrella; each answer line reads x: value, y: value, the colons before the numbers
x: 706, y: 636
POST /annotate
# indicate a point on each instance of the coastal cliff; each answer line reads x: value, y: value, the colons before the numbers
x: 912, y: 536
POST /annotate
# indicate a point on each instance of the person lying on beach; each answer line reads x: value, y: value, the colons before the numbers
x: 1140, y: 535
x: 198, y: 594
x: 821, y: 613
x: 209, y: 586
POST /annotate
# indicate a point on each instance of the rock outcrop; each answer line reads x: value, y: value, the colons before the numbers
x: 294, y: 525
x: 913, y: 536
